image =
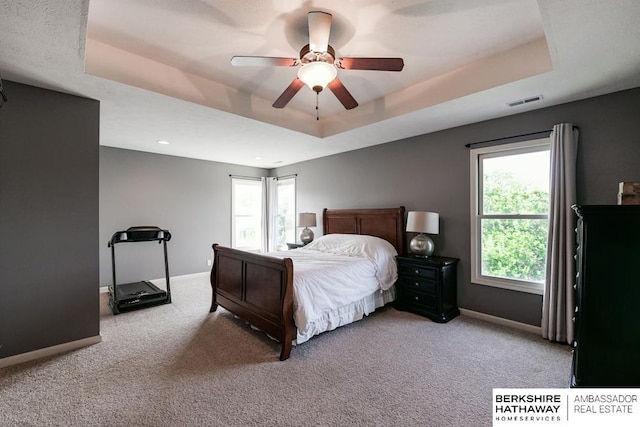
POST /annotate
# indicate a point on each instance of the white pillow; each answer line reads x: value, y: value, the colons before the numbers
x: 378, y: 250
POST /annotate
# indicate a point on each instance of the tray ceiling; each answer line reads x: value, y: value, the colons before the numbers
x: 162, y: 70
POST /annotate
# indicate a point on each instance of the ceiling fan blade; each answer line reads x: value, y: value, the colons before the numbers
x: 262, y: 61
x: 288, y: 93
x: 376, y: 64
x: 342, y: 94
x: 319, y: 29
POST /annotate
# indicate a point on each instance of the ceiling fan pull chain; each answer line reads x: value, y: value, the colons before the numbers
x: 317, y: 111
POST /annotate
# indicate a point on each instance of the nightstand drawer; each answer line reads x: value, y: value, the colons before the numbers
x: 417, y: 284
x: 420, y: 299
x: 427, y: 286
x: 418, y: 271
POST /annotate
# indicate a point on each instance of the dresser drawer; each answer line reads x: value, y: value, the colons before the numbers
x: 417, y: 283
x: 419, y: 299
x: 418, y: 271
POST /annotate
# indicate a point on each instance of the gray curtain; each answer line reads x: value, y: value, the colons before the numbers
x: 558, y: 301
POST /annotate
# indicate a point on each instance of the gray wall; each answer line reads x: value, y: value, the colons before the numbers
x: 48, y: 219
x: 431, y: 172
x: 53, y: 248
x: 191, y: 198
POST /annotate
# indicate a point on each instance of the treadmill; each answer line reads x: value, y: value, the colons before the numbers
x: 136, y: 295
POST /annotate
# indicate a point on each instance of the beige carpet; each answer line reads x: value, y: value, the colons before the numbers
x: 177, y: 364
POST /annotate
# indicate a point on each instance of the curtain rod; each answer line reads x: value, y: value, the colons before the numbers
x: 511, y: 137
x: 245, y: 177
x: 293, y: 175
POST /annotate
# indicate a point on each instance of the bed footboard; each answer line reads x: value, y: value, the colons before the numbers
x: 256, y: 288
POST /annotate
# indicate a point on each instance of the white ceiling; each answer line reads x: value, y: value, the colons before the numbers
x: 162, y: 71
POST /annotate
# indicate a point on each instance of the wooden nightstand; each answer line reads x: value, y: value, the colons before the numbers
x: 428, y: 286
x: 294, y: 245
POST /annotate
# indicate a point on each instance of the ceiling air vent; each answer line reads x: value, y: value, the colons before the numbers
x: 525, y: 101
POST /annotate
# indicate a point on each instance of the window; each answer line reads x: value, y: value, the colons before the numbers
x: 247, y: 197
x: 285, y: 213
x: 263, y: 213
x: 509, y: 215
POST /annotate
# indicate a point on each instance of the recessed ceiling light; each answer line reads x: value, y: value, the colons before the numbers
x: 163, y: 142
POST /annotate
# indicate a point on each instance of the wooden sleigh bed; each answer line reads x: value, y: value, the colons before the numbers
x: 259, y: 288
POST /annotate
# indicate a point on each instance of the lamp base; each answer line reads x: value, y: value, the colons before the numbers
x: 306, y: 235
x: 422, y: 246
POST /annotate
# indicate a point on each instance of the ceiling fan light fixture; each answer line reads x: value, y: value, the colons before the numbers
x: 317, y: 75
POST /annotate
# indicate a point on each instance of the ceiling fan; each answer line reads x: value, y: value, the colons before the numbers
x: 319, y: 65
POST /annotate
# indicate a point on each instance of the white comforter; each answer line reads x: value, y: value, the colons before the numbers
x: 333, y: 275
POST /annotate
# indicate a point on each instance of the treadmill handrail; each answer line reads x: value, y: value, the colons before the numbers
x: 140, y: 234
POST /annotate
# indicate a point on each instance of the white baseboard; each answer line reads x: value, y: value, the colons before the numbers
x: 105, y: 289
x: 49, y: 351
x: 501, y: 321
x: 192, y: 275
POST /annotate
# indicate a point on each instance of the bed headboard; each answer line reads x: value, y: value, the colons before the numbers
x: 388, y: 224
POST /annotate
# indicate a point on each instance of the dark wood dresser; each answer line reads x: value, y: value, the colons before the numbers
x: 428, y: 286
x: 607, y: 340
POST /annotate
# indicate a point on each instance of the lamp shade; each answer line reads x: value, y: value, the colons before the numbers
x: 317, y: 75
x: 307, y: 219
x: 423, y: 222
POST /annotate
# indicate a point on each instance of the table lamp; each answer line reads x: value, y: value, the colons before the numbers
x: 422, y: 222
x: 306, y: 220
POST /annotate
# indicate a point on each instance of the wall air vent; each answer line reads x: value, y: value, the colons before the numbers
x: 525, y: 101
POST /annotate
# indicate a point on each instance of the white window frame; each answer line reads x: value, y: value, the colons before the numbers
x: 286, y: 180
x: 245, y: 181
x: 269, y: 210
x: 476, y: 217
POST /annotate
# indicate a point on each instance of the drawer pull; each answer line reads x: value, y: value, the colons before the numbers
x: 416, y: 271
x: 417, y: 284
x: 416, y: 298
